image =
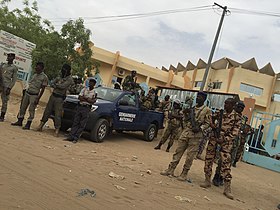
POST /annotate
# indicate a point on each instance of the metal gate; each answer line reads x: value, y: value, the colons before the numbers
x: 263, y: 145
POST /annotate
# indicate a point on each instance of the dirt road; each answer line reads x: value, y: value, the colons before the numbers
x: 39, y: 171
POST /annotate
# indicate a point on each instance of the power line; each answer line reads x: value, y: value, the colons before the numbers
x: 140, y: 14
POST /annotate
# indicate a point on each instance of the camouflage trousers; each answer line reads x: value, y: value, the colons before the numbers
x: 55, y: 104
x: 28, y: 100
x: 225, y: 157
x: 202, y: 145
x: 240, y: 149
x: 4, y: 98
x: 188, y: 143
x: 171, y: 133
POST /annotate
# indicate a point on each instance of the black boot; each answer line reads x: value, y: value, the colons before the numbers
x: 18, y: 122
x: 158, y: 146
x: 221, y: 181
x: 216, y: 180
x: 27, y: 125
x: 2, y: 117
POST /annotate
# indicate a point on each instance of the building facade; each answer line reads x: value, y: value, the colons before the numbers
x: 226, y: 75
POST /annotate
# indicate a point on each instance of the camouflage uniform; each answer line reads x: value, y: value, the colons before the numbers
x: 147, y: 102
x: 55, y: 102
x: 36, y: 83
x: 189, y: 141
x: 240, y: 147
x: 172, y: 130
x: 229, y: 130
x: 8, y: 74
x: 164, y: 106
x: 128, y: 83
x: 75, y: 89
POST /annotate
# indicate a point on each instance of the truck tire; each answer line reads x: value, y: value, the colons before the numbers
x: 100, y: 130
x: 150, y: 133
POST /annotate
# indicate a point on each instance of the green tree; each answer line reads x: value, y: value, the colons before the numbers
x: 52, y: 47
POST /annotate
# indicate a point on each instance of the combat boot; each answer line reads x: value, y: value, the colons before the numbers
x: 206, y: 183
x: 158, y: 146
x: 183, y: 175
x: 216, y: 180
x: 18, y: 122
x: 227, y: 191
x: 40, y: 128
x: 221, y: 181
x: 2, y: 116
x: 56, y: 132
x: 27, y: 125
x: 168, y: 172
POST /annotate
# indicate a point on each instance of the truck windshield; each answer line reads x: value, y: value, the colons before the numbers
x: 107, y: 93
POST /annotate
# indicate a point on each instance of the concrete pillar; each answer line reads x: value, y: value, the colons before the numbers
x: 113, y: 70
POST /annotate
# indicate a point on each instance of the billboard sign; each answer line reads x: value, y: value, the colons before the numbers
x: 22, y: 48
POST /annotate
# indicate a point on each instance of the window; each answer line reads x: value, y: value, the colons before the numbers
x: 276, y: 97
x: 198, y: 83
x: 217, y: 85
x: 251, y: 89
x: 130, y: 100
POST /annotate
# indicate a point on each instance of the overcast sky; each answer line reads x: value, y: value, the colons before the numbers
x: 171, y: 38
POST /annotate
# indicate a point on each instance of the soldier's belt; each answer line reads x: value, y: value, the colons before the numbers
x: 58, y: 96
x: 32, y: 94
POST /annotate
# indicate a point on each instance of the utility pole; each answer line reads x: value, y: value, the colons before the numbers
x: 213, y: 46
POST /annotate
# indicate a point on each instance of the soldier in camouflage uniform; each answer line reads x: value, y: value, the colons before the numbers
x: 164, y: 106
x: 32, y: 95
x: 60, y: 86
x: 197, y: 121
x: 229, y: 130
x: 76, y: 88
x: 129, y: 83
x: 8, y: 78
x: 218, y: 180
x: 175, y: 117
x: 240, y: 148
x: 147, y: 101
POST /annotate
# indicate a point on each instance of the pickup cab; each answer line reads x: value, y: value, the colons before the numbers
x: 114, y: 110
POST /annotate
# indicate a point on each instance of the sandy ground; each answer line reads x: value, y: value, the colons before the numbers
x: 39, y: 171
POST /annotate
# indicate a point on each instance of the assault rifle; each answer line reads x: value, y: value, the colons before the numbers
x: 217, y: 130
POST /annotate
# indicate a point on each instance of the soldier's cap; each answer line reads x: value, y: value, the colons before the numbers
x: 11, y: 54
x: 133, y: 71
x: 203, y: 94
x: 240, y: 103
x: 177, y: 101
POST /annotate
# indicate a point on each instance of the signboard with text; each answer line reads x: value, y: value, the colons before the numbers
x: 22, y: 49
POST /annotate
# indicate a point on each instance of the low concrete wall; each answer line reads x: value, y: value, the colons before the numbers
x: 17, y: 90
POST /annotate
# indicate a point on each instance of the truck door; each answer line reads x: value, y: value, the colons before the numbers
x: 126, y: 114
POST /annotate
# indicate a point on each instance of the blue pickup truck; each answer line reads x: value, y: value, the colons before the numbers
x: 114, y: 110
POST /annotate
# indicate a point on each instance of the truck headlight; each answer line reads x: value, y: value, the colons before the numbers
x: 93, y: 108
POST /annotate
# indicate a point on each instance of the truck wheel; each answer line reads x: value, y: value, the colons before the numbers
x: 150, y: 133
x: 100, y: 130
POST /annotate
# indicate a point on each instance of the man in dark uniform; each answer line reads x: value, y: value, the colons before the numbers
x: 8, y: 78
x: 32, y: 95
x: 87, y: 97
x: 60, y: 86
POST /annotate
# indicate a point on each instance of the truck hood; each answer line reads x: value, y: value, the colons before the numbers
x: 74, y: 99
